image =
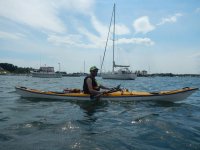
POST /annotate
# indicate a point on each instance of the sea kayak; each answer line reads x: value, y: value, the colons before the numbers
x: 122, y: 95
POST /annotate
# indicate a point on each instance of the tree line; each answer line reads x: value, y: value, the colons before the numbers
x: 14, y: 69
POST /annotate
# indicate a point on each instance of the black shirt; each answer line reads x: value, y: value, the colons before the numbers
x: 94, y: 85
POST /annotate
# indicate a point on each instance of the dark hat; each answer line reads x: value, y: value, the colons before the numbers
x: 93, y: 68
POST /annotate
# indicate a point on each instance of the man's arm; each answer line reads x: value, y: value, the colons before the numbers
x: 92, y: 91
x: 103, y: 87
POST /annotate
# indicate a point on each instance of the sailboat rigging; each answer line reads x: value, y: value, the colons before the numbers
x: 124, y: 73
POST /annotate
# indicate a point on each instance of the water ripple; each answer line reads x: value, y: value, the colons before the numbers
x: 4, y: 137
x: 38, y: 124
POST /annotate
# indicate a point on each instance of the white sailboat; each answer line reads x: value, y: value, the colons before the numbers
x: 123, y: 73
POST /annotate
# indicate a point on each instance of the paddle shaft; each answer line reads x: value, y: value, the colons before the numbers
x: 110, y: 91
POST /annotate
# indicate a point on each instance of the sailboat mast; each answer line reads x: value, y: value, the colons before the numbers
x: 107, y: 38
x: 113, y: 38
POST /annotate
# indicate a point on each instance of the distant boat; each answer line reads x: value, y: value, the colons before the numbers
x: 71, y: 75
x: 123, y: 73
x: 46, y: 72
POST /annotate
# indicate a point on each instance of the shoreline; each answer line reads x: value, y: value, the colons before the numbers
x: 148, y: 75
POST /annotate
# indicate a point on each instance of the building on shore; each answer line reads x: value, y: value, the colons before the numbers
x: 2, y: 71
x: 142, y: 73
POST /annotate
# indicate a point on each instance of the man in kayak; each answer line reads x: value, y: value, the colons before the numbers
x: 90, y: 85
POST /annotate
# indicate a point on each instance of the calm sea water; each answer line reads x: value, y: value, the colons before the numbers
x: 62, y: 125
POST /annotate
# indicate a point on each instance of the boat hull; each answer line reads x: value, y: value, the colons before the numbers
x: 46, y: 72
x: 46, y: 75
x: 130, y: 76
x: 171, y: 96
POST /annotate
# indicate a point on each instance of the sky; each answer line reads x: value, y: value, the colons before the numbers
x: 159, y: 36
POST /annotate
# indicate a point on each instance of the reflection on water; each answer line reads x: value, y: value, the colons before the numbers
x: 90, y: 108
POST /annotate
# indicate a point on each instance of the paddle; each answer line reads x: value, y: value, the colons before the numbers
x: 114, y: 89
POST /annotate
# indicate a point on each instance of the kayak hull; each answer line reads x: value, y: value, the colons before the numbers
x: 171, y: 96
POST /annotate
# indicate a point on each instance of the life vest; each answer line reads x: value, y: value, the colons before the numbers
x: 94, y: 85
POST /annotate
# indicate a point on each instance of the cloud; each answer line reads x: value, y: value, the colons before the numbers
x: 98, y: 26
x: 83, y: 40
x: 34, y: 13
x: 42, y: 14
x: 197, y: 10
x: 102, y: 29
x: 143, y: 41
x: 196, y: 55
x: 12, y: 36
x: 81, y: 6
x: 66, y: 40
x: 171, y: 19
x: 85, y: 37
x: 142, y: 25
x: 88, y: 39
x: 94, y: 41
x: 121, y: 29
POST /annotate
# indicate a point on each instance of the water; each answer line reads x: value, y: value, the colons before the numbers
x: 27, y: 124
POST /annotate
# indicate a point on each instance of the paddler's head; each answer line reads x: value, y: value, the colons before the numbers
x: 94, y: 70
